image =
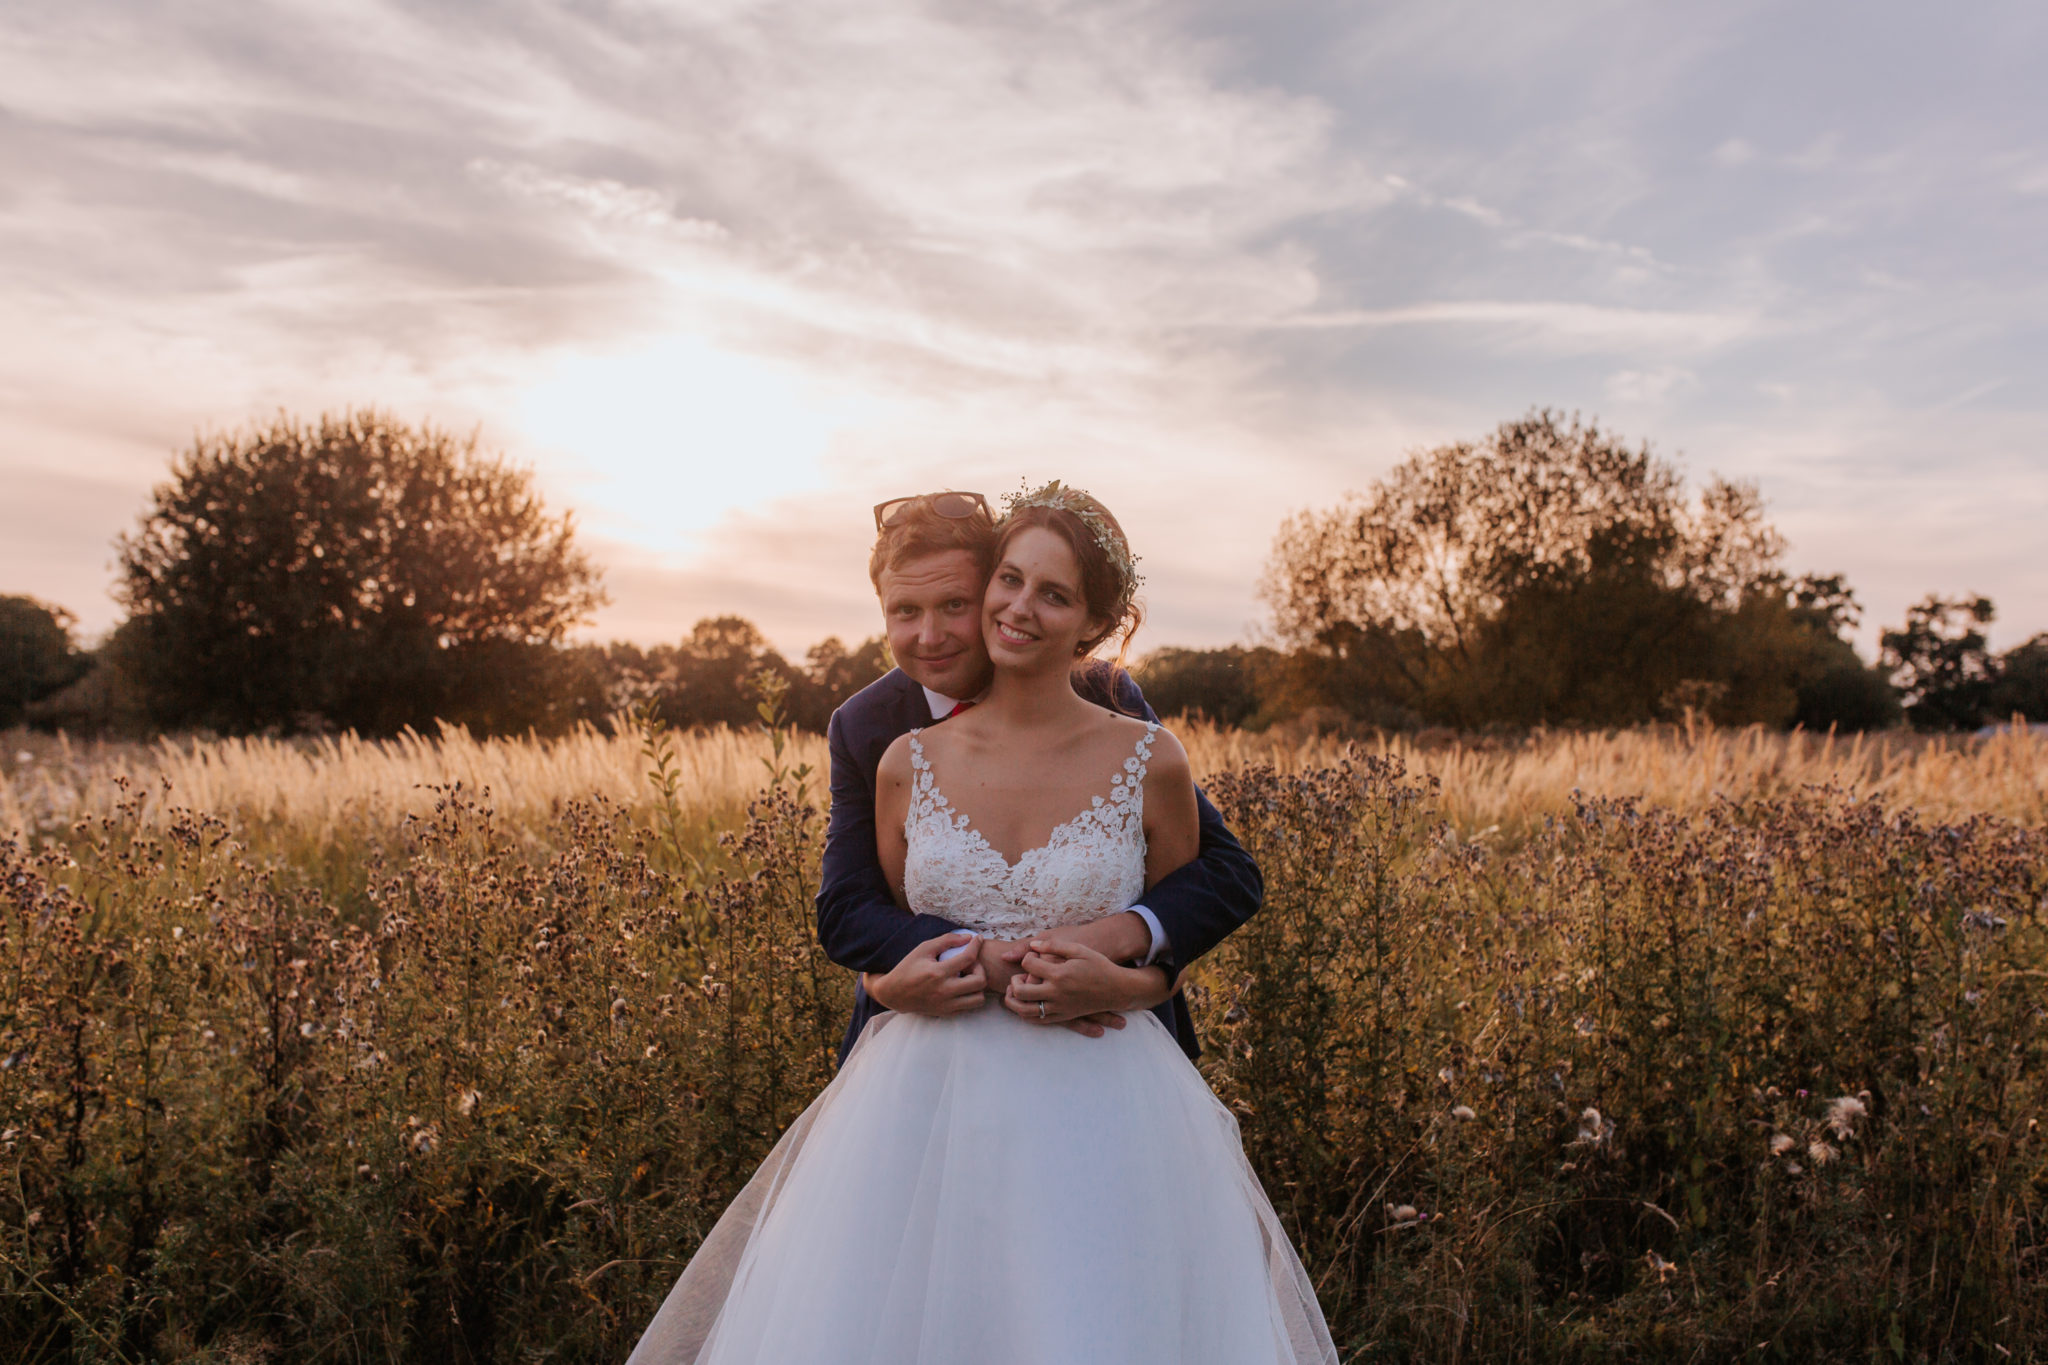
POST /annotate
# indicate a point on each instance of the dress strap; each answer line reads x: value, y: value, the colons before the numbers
x: 1128, y: 786
x: 925, y: 796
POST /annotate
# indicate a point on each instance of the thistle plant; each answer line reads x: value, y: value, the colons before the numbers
x: 472, y: 1074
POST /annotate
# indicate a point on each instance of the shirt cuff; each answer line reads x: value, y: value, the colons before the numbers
x: 1159, y: 944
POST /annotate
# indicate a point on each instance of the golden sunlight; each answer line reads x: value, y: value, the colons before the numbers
x: 665, y: 439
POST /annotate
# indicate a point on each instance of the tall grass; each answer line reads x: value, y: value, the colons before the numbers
x: 1764, y: 1081
x: 1751, y: 1075
x: 1512, y: 785
x: 340, y: 783
x: 1515, y: 783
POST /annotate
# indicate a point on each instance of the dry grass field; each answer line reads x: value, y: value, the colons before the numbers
x: 1505, y: 785
x: 1684, y: 1045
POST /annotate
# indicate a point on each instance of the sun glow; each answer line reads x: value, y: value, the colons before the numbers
x: 669, y: 438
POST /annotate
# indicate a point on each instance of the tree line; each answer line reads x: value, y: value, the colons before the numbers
x: 358, y: 573
x: 1553, y: 574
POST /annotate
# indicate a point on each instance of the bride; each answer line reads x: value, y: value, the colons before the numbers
x: 981, y: 1187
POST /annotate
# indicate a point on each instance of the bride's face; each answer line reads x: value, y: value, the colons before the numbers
x: 1033, y: 612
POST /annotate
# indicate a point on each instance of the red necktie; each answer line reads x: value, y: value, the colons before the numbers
x: 958, y: 707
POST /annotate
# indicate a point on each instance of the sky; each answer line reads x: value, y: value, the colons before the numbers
x: 724, y: 274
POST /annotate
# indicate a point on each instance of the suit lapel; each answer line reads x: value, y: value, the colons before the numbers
x: 914, y: 712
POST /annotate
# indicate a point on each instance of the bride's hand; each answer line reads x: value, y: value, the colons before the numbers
x: 922, y: 984
x: 1072, y: 982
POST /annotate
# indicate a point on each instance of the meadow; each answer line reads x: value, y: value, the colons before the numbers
x: 1676, y: 1045
x: 338, y: 787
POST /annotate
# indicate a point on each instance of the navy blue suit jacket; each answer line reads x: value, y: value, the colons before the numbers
x: 863, y: 929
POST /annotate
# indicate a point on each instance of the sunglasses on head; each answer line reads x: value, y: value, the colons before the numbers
x: 952, y: 506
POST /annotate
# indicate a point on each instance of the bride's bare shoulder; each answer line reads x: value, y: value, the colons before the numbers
x: 894, y: 769
x: 1168, y: 753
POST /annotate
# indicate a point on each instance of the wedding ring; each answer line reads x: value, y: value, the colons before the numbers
x: 1041, y: 1009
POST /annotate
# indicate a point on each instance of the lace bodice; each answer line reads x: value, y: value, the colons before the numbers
x: 1093, y: 865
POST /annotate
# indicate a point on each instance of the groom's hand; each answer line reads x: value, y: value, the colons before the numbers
x: 921, y: 984
x: 999, y: 961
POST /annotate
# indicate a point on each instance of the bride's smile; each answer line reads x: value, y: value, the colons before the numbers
x: 1035, y: 605
x: 1011, y: 635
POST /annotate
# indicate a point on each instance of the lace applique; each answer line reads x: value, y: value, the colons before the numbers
x: 1091, y: 865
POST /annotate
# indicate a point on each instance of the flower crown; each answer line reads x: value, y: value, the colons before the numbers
x: 1083, y: 505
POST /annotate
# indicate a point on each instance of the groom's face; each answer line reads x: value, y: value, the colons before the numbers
x: 931, y: 606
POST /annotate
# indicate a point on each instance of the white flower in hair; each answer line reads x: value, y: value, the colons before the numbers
x: 1082, y: 504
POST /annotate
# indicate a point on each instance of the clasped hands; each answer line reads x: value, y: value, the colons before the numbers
x: 1058, y: 978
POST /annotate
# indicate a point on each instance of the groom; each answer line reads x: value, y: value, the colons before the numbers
x: 932, y: 559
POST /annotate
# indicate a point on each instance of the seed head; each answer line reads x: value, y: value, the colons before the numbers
x: 1843, y: 1111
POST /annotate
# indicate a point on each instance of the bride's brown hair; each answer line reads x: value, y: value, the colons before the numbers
x: 1107, y: 586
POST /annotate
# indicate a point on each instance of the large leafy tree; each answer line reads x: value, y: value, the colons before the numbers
x: 355, y: 572
x: 1550, y: 573
x: 37, y: 655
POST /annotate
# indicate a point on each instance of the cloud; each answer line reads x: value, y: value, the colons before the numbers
x: 1557, y: 325
x: 601, y: 200
x: 2032, y: 181
x: 1647, y: 387
x: 1734, y: 152
x: 1219, y: 264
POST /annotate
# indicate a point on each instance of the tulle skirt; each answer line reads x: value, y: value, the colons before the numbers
x: 981, y: 1189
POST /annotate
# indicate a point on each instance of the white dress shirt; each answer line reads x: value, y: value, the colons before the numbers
x: 942, y: 706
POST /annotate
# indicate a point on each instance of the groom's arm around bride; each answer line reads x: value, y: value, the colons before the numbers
x: 929, y: 570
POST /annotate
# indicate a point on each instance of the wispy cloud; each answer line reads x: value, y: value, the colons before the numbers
x: 722, y: 271
x: 1571, y: 328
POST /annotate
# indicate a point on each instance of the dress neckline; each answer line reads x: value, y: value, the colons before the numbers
x: 959, y: 819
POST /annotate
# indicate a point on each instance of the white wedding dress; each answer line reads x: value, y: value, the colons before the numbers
x: 983, y: 1190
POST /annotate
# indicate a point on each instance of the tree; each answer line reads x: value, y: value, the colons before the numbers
x: 2022, y: 685
x: 832, y: 674
x: 708, y: 679
x: 704, y: 680
x: 104, y: 699
x: 1230, y: 686
x: 355, y: 573
x: 1834, y: 689
x: 37, y: 656
x: 1548, y: 574
x: 1942, y: 662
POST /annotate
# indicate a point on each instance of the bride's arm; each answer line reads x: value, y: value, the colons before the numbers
x: 892, y: 805
x: 920, y: 983
x: 1173, y: 839
x: 1173, y: 826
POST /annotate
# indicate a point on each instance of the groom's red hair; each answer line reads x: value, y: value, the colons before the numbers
x: 919, y: 531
